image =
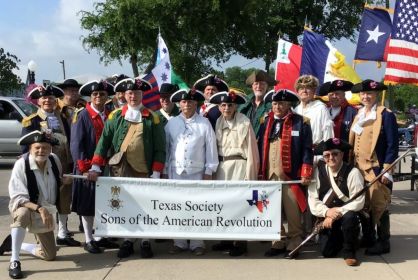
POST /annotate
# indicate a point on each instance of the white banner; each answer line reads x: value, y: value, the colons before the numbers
x: 176, y: 209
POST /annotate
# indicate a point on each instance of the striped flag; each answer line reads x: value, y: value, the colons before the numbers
x: 151, y: 98
x: 402, y: 60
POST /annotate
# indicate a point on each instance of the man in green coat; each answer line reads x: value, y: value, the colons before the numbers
x: 255, y: 108
x: 136, y: 138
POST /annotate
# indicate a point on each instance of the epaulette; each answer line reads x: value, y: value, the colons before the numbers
x: 113, y: 112
x: 76, y: 114
x: 262, y: 119
x: 27, y: 121
x: 306, y: 120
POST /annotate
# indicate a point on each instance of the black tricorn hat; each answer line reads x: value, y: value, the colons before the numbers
x: 37, y: 137
x: 332, y: 144
x: 184, y: 94
x: 168, y: 89
x: 368, y: 85
x: 69, y: 83
x: 95, y: 85
x: 115, y: 78
x: 227, y: 97
x: 337, y: 85
x: 49, y: 90
x: 132, y: 84
x: 259, y: 76
x: 211, y: 80
x: 281, y: 95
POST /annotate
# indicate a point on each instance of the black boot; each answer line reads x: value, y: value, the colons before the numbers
x: 15, y: 271
x: 239, y: 249
x: 382, y: 246
x: 6, y: 246
x: 367, y: 228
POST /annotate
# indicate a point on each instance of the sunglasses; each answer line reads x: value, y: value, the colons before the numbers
x: 98, y: 93
x: 333, y: 154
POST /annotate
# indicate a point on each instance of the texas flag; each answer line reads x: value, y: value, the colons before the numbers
x: 288, y: 61
x: 375, y: 30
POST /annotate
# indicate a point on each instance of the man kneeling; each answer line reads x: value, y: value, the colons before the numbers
x: 33, y: 190
x: 337, y: 183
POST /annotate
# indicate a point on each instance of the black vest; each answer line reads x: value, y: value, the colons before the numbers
x: 31, y: 179
x: 340, y: 180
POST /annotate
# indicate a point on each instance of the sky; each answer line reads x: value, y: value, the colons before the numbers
x: 48, y: 31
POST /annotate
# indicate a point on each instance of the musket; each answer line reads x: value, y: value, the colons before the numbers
x: 318, y: 225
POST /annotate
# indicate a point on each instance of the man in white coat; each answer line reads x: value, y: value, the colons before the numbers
x: 191, y: 151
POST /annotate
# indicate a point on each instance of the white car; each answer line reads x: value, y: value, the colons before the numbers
x: 12, y: 111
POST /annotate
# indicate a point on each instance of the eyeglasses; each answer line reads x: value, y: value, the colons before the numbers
x: 98, y: 93
x: 333, y: 154
x: 227, y: 104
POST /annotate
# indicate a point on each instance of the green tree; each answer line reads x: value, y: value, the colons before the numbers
x: 256, y: 25
x: 9, y: 81
x: 404, y: 96
x: 127, y: 29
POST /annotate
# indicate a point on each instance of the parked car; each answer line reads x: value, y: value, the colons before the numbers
x: 12, y: 111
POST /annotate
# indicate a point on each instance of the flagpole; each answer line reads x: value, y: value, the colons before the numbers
x: 383, y: 98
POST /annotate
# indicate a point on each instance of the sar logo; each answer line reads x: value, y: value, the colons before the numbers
x: 259, y: 200
x: 115, y: 203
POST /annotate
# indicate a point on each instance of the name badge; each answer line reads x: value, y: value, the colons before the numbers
x: 295, y: 133
x: 357, y: 129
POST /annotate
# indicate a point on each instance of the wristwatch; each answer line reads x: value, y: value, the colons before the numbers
x: 37, y: 208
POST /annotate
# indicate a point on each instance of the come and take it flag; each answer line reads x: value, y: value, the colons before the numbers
x: 402, y: 60
x: 375, y: 30
x: 288, y: 61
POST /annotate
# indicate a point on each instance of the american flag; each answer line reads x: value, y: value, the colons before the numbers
x: 402, y: 61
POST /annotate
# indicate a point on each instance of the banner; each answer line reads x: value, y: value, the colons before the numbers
x: 178, y: 209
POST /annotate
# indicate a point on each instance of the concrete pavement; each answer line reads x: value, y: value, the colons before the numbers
x: 74, y: 263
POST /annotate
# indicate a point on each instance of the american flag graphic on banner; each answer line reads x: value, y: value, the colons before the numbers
x: 402, y: 61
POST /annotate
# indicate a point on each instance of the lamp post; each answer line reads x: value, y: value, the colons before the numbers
x: 32, y: 68
x: 63, y: 67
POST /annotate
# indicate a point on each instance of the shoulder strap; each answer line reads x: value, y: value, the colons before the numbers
x: 56, y: 172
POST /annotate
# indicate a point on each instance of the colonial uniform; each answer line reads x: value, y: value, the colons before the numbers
x: 256, y: 113
x: 135, y: 136
x: 209, y: 110
x: 332, y: 190
x: 29, y: 183
x: 286, y: 153
x: 191, y: 150
x: 375, y: 142
x: 58, y: 125
x: 66, y: 110
x: 238, y: 154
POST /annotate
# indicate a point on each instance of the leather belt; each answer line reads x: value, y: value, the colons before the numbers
x: 221, y: 158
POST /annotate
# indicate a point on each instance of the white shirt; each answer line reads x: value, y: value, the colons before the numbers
x: 355, y: 183
x: 191, y: 145
x: 18, y: 189
x: 133, y: 114
x: 101, y: 114
x: 320, y: 120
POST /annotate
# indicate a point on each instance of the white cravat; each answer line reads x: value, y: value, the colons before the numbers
x: 362, y: 119
x: 334, y: 112
x: 133, y: 114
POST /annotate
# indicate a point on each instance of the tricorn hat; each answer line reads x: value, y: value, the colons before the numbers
x: 368, y: 85
x: 184, y: 94
x: 95, y: 85
x: 37, y: 137
x: 132, y: 84
x: 332, y: 144
x: 115, y: 78
x: 168, y: 89
x: 49, y: 90
x: 258, y: 76
x: 337, y: 85
x: 69, y: 83
x: 211, y: 80
x: 281, y: 95
x: 227, y: 97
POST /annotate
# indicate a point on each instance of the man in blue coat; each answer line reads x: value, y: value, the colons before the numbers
x: 286, y: 155
x: 374, y: 136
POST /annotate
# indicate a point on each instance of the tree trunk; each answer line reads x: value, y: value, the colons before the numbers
x: 267, y: 60
x: 134, y: 63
